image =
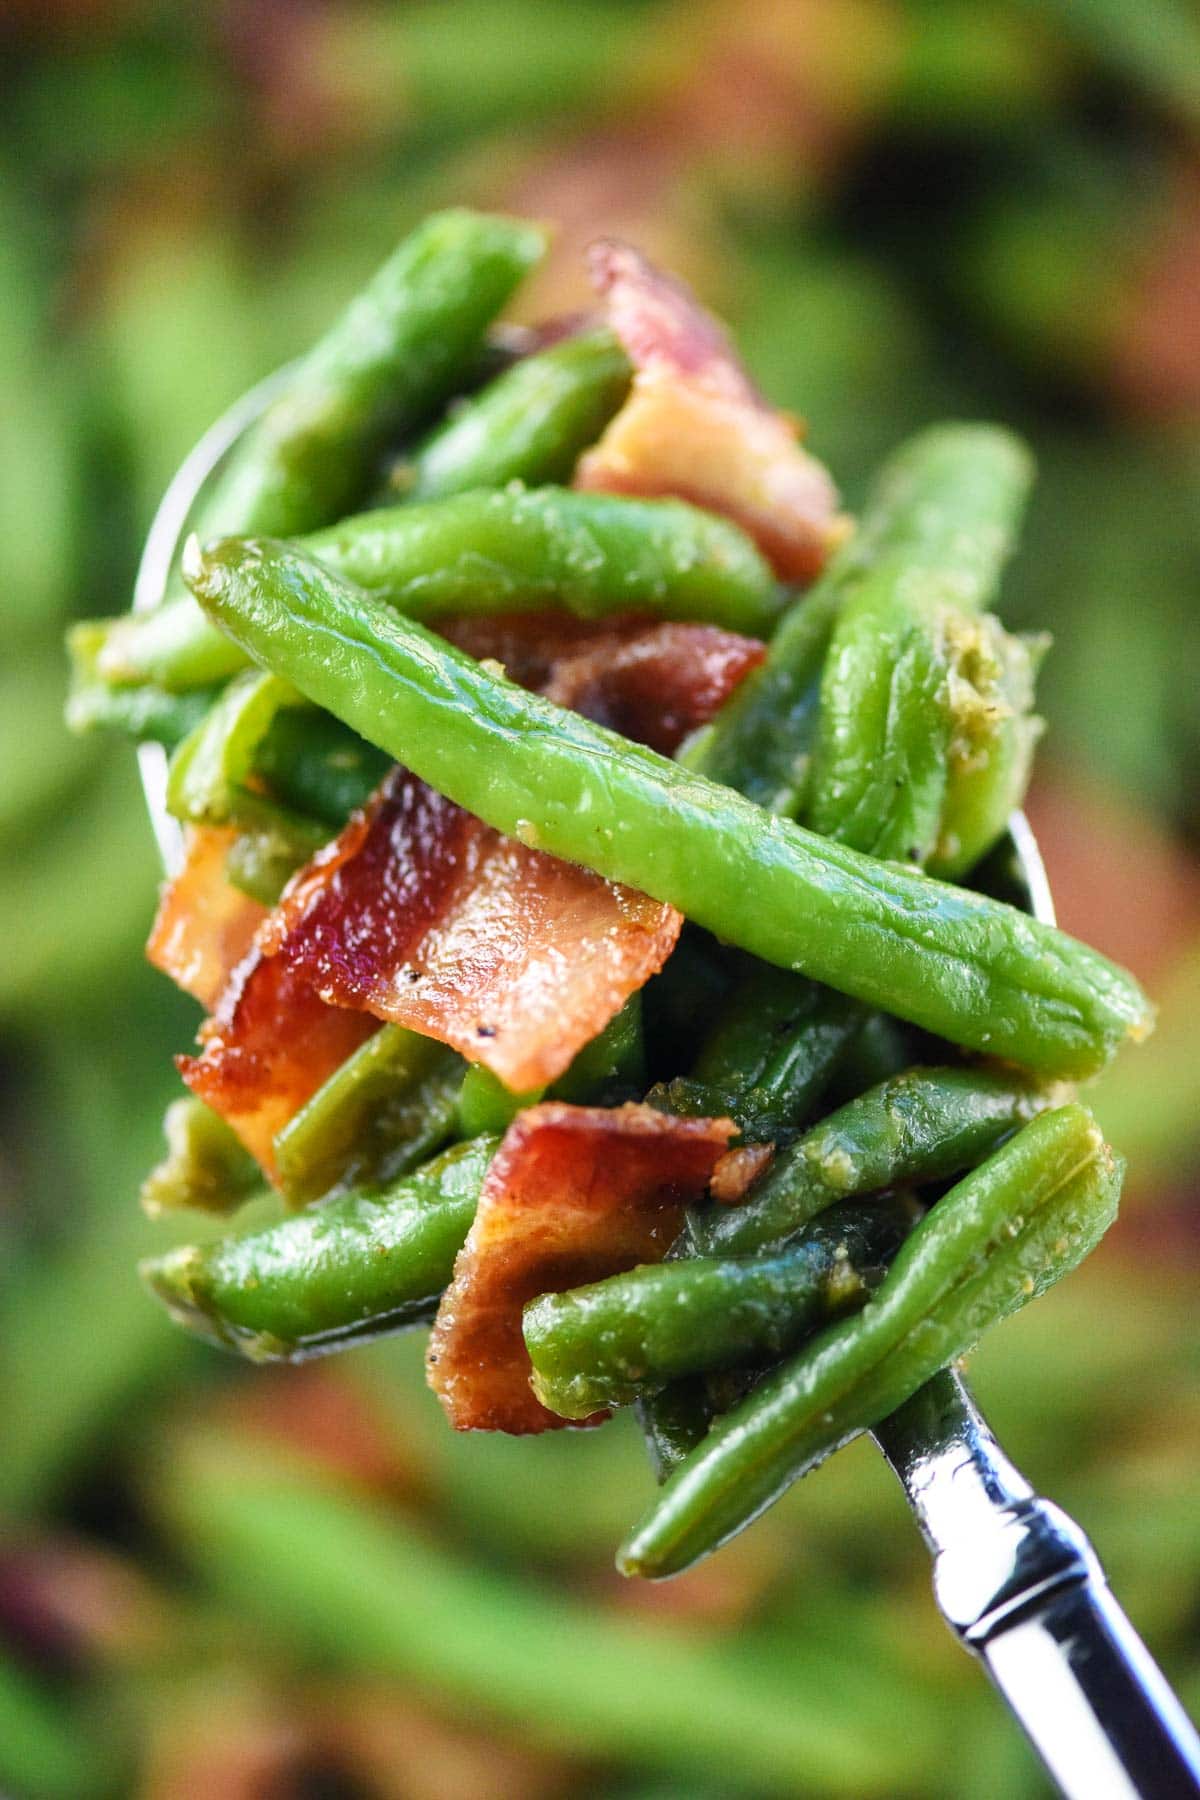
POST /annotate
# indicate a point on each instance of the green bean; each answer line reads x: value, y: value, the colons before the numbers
x: 953, y: 962
x: 614, y: 1059
x: 390, y: 1105
x: 607, y: 1343
x: 945, y: 506
x: 399, y: 349
x: 530, y: 424
x: 309, y: 762
x: 920, y: 696
x: 485, y: 1104
x: 261, y: 861
x: 493, y: 550
x: 496, y: 549
x: 206, y: 1165
x: 897, y: 691
x: 990, y: 754
x: 924, y: 1125
x: 1011, y: 1229
x: 779, y: 1040
x: 210, y: 769
x: 361, y: 1263
x: 143, y: 712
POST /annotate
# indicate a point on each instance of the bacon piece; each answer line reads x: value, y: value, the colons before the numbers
x: 419, y: 913
x: 738, y: 1170
x: 694, y: 426
x: 267, y: 1049
x: 422, y: 914
x: 574, y: 1193
x: 657, y: 685
x: 204, y: 926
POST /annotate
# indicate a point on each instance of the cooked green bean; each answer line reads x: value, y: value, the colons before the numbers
x: 210, y: 769
x: 493, y: 550
x: 206, y: 1165
x: 142, y: 712
x: 924, y: 1125
x: 960, y: 965
x: 485, y: 1104
x: 769, y: 1059
x: 360, y: 1264
x: 390, y: 1105
x: 912, y: 668
x: 607, y: 1343
x: 530, y: 424
x: 497, y: 549
x: 399, y: 349
x: 943, y: 512
x: 990, y: 753
x: 310, y: 762
x: 1012, y: 1228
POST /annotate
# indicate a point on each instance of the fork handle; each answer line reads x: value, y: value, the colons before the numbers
x: 1090, y: 1698
x: 1022, y: 1588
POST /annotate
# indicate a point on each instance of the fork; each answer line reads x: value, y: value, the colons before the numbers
x: 1015, y: 1578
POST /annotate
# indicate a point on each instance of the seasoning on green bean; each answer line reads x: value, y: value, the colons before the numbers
x: 913, y: 668
x: 960, y: 965
x: 607, y: 1343
x: 530, y: 424
x: 362, y: 1263
x: 1007, y: 1232
x: 990, y: 753
x: 207, y: 1167
x: 923, y: 1125
x: 943, y: 511
x: 390, y: 1105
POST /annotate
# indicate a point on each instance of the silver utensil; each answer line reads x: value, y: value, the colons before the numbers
x: 1014, y: 1577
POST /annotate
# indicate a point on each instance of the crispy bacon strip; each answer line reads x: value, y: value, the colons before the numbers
x: 574, y: 1193
x: 267, y: 1049
x: 421, y: 914
x: 203, y: 927
x: 694, y: 426
x: 657, y: 685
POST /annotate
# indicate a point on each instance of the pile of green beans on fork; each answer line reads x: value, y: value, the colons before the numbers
x: 894, y: 1050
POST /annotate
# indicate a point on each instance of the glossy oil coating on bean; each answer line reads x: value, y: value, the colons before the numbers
x: 500, y: 549
x: 606, y: 1344
x: 1012, y: 1228
x: 943, y: 511
x: 990, y: 754
x: 529, y: 424
x: 361, y: 1263
x: 960, y: 965
x: 924, y: 1125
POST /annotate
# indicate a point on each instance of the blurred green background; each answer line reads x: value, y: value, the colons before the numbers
x: 266, y: 1585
